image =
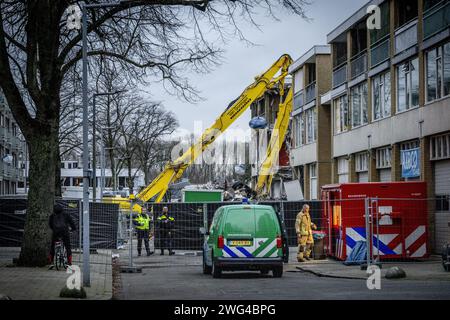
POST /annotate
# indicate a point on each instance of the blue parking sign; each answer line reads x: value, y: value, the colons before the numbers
x: 410, y: 163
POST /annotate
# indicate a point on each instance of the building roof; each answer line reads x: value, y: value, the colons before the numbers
x: 351, y: 21
x: 316, y: 50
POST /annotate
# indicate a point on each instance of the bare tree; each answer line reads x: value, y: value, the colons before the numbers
x: 145, y: 40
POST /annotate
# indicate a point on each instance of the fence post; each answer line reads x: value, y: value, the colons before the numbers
x: 130, y: 253
x: 205, y: 216
x: 80, y: 227
x: 368, y: 229
x: 131, y: 268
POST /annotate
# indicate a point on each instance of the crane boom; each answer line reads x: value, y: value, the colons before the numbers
x: 277, y: 138
x: 174, y: 170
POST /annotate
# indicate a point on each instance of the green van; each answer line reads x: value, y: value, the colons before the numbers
x: 244, y: 237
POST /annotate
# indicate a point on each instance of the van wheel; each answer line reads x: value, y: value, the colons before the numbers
x: 206, y: 269
x: 277, y: 272
x: 216, y: 271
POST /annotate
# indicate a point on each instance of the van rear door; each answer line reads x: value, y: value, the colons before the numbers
x: 267, y: 231
x: 239, y: 233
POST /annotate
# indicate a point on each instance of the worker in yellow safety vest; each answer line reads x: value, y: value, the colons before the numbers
x: 142, y: 223
x: 303, y: 228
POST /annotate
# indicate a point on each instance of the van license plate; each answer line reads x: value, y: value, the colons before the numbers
x: 240, y: 243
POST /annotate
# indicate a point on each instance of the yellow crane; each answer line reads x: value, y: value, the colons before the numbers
x: 173, y: 171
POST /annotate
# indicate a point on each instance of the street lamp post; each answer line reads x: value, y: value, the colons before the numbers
x: 86, y: 172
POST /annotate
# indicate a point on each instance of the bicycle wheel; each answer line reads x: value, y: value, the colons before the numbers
x: 64, y: 260
x: 57, y: 255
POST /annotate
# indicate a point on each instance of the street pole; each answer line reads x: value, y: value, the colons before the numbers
x: 102, y: 164
x: 94, y: 150
x: 86, y: 240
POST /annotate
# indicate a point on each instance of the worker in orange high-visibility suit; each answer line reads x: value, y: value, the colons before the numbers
x: 303, y: 228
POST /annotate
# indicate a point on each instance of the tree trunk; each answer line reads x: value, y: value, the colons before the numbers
x: 58, y: 185
x: 43, y: 150
x: 130, y: 176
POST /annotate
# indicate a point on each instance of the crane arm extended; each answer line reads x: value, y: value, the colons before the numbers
x: 174, y: 170
x: 268, y: 167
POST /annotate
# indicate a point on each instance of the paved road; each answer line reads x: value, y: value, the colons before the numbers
x: 188, y: 283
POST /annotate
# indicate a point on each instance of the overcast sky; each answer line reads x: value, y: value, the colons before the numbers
x: 242, y: 63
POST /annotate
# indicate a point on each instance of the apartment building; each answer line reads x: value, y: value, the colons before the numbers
x: 390, y: 101
x: 267, y: 107
x: 11, y: 151
x: 72, y: 177
x: 310, y: 154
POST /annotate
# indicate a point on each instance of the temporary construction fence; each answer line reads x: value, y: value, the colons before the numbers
x: 103, y: 231
x: 103, y: 222
x: 190, y: 217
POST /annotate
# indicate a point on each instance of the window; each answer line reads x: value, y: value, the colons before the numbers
x: 378, y: 34
x: 428, y: 4
x: 343, y: 170
x: 358, y: 99
x: 438, y: 72
x: 311, y: 120
x: 299, y: 130
x: 408, y: 85
x: 407, y: 11
x: 362, y: 162
x: 384, y: 158
x: 313, y: 180
x: 440, y: 147
x: 311, y: 67
x: 341, y: 117
x: 442, y: 203
x: 359, y: 38
x: 75, y: 165
x: 410, y: 145
x: 381, y: 96
x: 339, y: 53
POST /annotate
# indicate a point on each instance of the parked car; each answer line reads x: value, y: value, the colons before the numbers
x: 244, y: 237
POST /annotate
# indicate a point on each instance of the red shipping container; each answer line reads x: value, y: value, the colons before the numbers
x: 399, y: 223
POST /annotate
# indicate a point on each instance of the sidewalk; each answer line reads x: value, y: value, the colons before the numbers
x: 43, y: 284
x: 429, y: 270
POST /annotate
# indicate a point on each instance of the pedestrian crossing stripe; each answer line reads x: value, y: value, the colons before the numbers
x: 262, y: 248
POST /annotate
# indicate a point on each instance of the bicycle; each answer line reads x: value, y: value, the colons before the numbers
x: 60, y: 258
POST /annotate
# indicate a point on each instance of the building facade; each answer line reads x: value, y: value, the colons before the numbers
x: 11, y: 152
x: 390, y: 101
x: 310, y: 154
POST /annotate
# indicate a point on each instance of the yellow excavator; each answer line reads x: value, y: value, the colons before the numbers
x: 274, y: 77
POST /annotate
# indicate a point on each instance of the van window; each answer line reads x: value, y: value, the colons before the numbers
x: 215, y: 220
x: 265, y: 220
x: 240, y: 221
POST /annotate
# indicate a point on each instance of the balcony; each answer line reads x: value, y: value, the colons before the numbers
x: 406, y: 37
x: 299, y: 100
x: 436, y: 19
x: 340, y: 76
x: 380, y: 53
x: 358, y: 65
x: 310, y: 92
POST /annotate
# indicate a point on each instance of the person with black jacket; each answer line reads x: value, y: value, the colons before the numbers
x: 166, y: 226
x: 59, y: 223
